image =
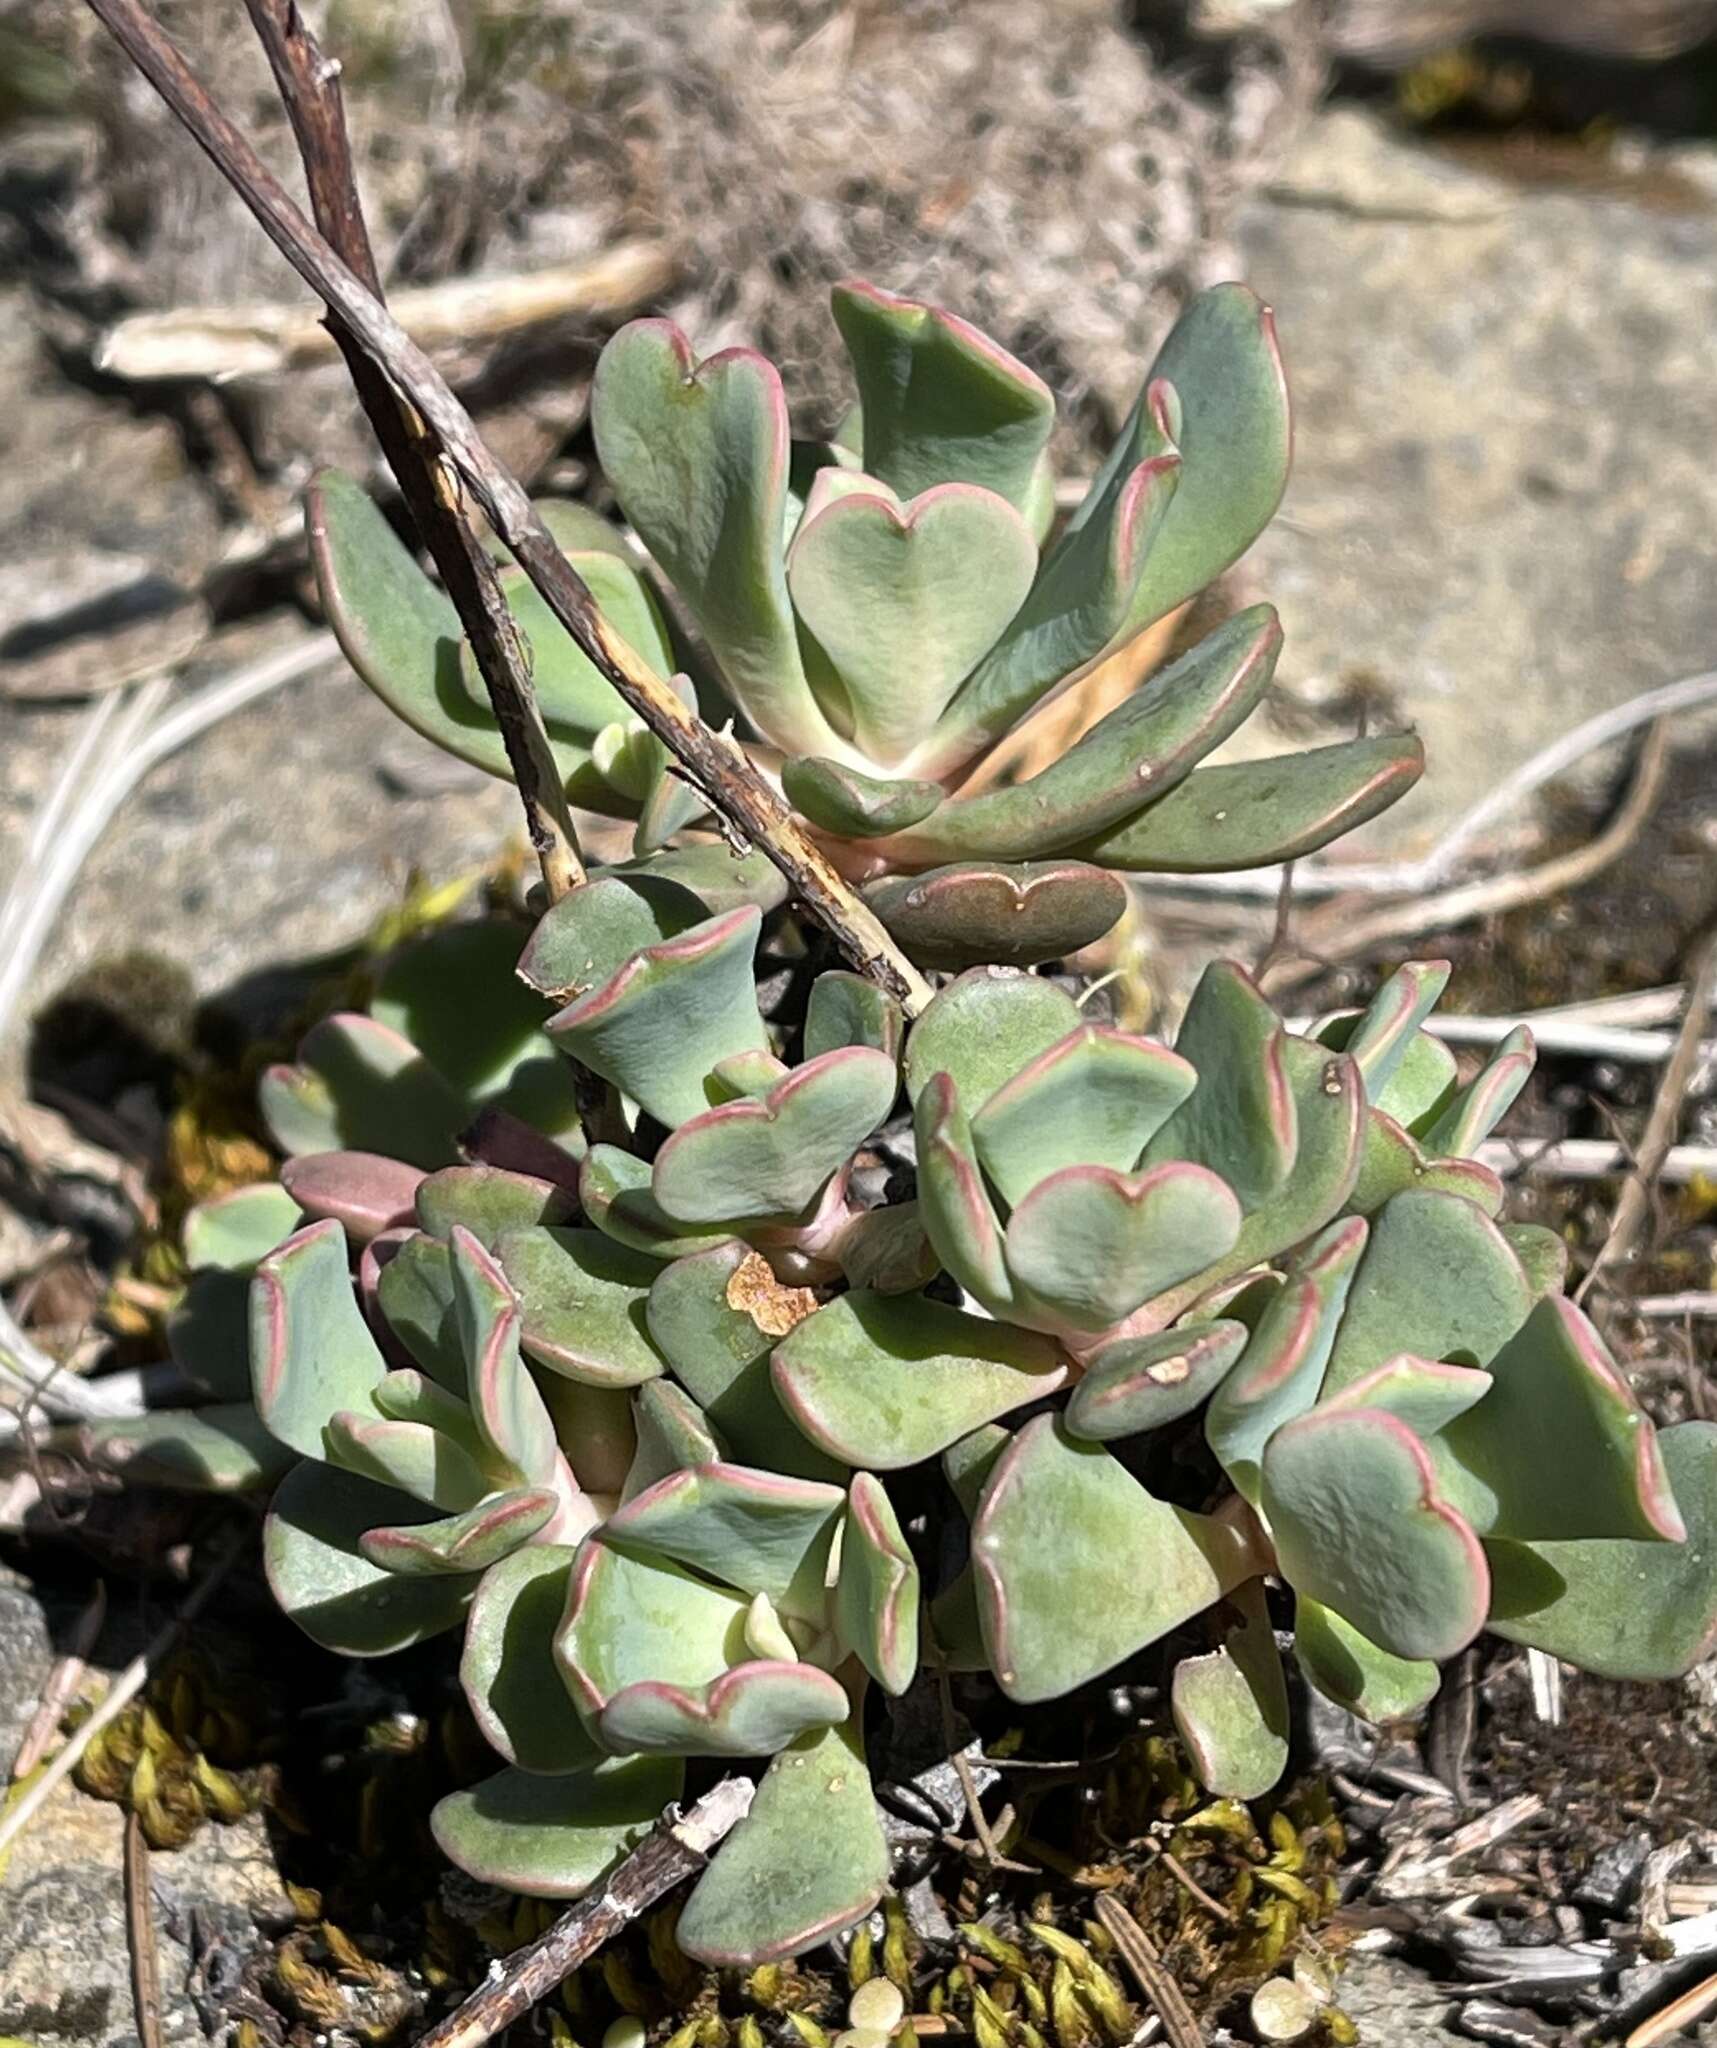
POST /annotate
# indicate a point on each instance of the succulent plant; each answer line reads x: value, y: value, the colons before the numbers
x: 884, y: 607
x: 631, y: 1420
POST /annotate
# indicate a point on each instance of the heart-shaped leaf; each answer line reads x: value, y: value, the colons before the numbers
x: 852, y: 805
x: 1354, y: 1672
x: 757, y: 1531
x: 632, y: 1620
x: 320, y: 1577
x: 1015, y: 915
x: 876, y: 1596
x: 697, y: 455
x: 753, y: 1710
x: 763, y: 1898
x: 311, y: 1352
x: 983, y: 1028
x: 363, y: 1192
x: 1246, y: 814
x: 1438, y: 1280
x: 1095, y: 1098
x: 1282, y: 1370
x: 1360, y: 1526
x: 716, y: 1316
x: 230, y: 1233
x: 584, y: 940
x: 940, y: 401
x: 431, y: 1466
x: 1095, y: 1245
x: 1378, y: 1038
x: 715, y: 874
x: 488, y: 1201
x: 220, y: 1449
x: 940, y: 576
x: 1231, y: 1708
x: 1638, y: 1610
x: 1425, y: 1395
x: 884, y: 1381
x: 360, y: 1087
x: 1241, y: 1119
x: 772, y: 1157
x: 1151, y: 740
x: 1139, y: 1383
x: 554, y: 1838
x: 659, y: 1024
x: 494, y: 1529
x: 1554, y: 1380
x: 507, y: 1667
x: 1078, y: 1566
x: 582, y: 1298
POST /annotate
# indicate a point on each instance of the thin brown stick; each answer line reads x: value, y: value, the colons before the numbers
x: 711, y: 761
x: 1139, y: 1953
x: 1336, y: 933
x: 310, y: 89
x: 140, y: 1934
x: 675, y: 1850
x: 1633, y: 1205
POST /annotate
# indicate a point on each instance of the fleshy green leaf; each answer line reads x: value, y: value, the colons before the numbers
x: 763, y: 1898
x: 220, y: 1449
x: 425, y: 995
x: 1246, y: 814
x: 233, y: 1231
x: 508, y: 1669
x: 471, y: 1542
x: 1078, y: 1566
x: 845, y: 1009
x: 585, y: 939
x: 1605, y: 1477
x: 312, y: 1354
x: 1438, y: 1280
x: 363, y: 1192
x: 1281, y: 1372
x: 697, y: 454
x: 983, y: 1028
x: 1231, y: 1708
x: 553, y: 1838
x: 674, y: 1435
x: 322, y: 1580
x: 876, y: 1596
x: 752, y: 1710
x: 1360, y: 1525
x: 1639, y: 1610
x: 1354, y: 1672
x: 884, y: 1381
x: 360, y: 1087
x: 488, y: 1201
x: 505, y: 1405
x: 614, y: 1187
x: 1139, y: 1383
x: 633, y: 1620
x: 1148, y: 743
x: 772, y: 1157
x: 940, y: 401
x: 415, y: 1293
x: 1486, y: 1100
x: 433, y: 1468
x: 1379, y: 1038
x: 959, y: 1219
x: 582, y: 1297
x: 903, y: 599
x: 1095, y: 1245
x: 716, y: 1316
x: 1008, y: 914
x: 740, y: 1527
x: 853, y: 805
x: 1095, y: 1098
x: 1241, y: 1119
x: 658, y: 1026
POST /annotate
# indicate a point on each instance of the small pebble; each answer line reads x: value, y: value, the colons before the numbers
x: 876, y: 2007
x: 625, y: 2033
x: 1281, y: 2011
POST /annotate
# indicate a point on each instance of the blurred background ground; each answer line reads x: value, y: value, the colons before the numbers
x: 1488, y: 227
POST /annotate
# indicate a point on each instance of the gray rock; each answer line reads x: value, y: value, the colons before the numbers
x: 1502, y: 491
